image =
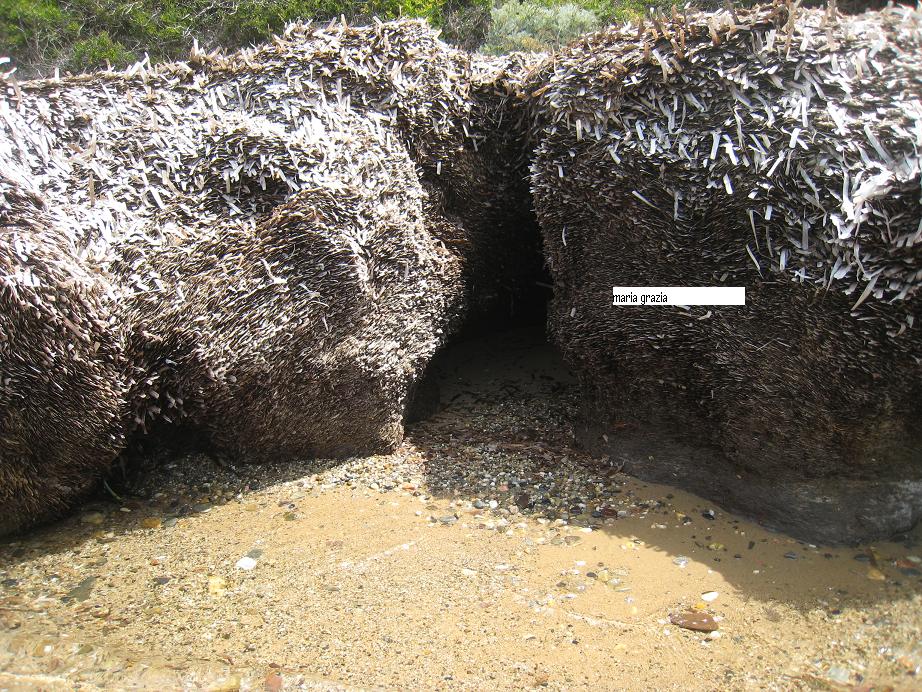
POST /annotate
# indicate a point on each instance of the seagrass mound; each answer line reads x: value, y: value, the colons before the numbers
x: 302, y: 334
x: 270, y: 246
x: 61, y: 366
x: 773, y: 150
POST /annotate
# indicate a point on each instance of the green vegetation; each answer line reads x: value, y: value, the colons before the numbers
x: 528, y: 26
x: 80, y: 35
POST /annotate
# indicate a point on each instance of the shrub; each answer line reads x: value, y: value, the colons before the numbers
x: 528, y: 26
x: 84, y: 34
x: 99, y: 51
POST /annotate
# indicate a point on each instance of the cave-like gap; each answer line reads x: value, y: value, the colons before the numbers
x: 508, y: 324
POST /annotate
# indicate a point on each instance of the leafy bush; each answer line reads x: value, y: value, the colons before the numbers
x: 528, y: 26
x: 99, y: 51
x: 78, y: 35
x: 84, y: 34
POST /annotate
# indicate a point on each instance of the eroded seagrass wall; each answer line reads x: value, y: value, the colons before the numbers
x: 269, y: 246
x: 281, y: 239
x: 770, y: 149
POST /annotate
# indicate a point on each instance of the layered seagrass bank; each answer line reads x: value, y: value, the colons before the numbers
x: 267, y: 248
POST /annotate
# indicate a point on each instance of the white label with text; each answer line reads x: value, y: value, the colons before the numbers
x: 678, y: 295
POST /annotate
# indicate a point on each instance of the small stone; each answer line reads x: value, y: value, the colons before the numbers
x: 714, y: 635
x: 245, y: 563
x: 709, y: 514
x: 92, y: 518
x: 693, y: 620
x: 479, y: 504
x: 160, y: 581
x: 839, y: 674
x: 448, y: 519
x: 681, y: 561
x: 273, y: 682
x: 217, y: 586
x: 151, y: 522
x: 915, y: 559
x: 715, y: 546
x: 201, y: 507
x: 9, y: 583
x: 231, y: 683
x: 169, y: 523
x: 791, y: 555
x: 876, y: 575
x: 709, y: 596
x: 572, y: 540
x: 862, y: 557
x: 81, y: 592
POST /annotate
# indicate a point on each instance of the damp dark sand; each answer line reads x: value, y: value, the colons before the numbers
x: 488, y: 552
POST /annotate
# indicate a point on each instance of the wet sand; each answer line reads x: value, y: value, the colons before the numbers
x: 488, y: 552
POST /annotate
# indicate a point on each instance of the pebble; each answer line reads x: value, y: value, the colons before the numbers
x: 229, y: 684
x: 839, y: 674
x: 448, y: 519
x: 875, y: 574
x: 246, y: 563
x: 151, y: 522
x: 709, y: 514
x: 709, y: 596
x: 694, y: 620
x: 791, y: 555
x: 217, y: 586
x: 681, y: 561
x: 81, y: 592
x: 93, y: 518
